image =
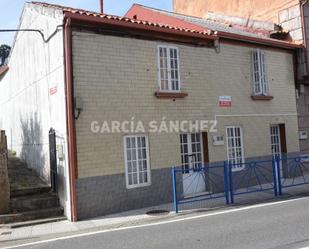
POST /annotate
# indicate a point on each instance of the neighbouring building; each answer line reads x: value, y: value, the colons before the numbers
x: 263, y: 10
x: 93, y: 69
x: 291, y: 15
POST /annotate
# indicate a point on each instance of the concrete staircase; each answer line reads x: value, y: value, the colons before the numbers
x: 31, y: 198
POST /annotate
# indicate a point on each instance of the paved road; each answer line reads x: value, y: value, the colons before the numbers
x: 284, y: 225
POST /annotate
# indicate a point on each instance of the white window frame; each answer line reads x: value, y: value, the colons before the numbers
x: 129, y: 186
x: 186, y: 166
x: 238, y: 168
x: 259, y: 69
x: 275, y: 140
x: 168, y: 48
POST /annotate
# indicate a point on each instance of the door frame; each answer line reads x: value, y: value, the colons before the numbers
x: 190, y: 144
x: 205, y: 147
x: 283, y: 146
x: 203, y: 141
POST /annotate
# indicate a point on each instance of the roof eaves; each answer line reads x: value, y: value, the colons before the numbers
x: 118, y: 20
x: 138, y: 24
x: 262, y: 41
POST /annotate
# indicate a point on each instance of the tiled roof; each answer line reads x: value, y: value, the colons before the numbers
x: 177, y: 23
x: 222, y: 29
x: 216, y: 25
x: 123, y: 19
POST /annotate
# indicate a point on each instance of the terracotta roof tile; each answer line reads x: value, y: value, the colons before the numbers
x: 223, y: 29
x: 123, y: 19
x: 188, y: 24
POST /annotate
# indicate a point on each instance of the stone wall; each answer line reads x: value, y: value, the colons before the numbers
x: 4, y: 179
x: 290, y: 19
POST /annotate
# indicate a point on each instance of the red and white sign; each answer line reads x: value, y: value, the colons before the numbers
x: 225, y: 101
x: 53, y: 90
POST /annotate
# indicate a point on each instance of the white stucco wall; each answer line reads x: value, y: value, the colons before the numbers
x: 27, y: 109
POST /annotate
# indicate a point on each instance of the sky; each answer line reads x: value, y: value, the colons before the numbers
x: 11, y: 10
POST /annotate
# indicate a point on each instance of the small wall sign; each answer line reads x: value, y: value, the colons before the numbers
x: 225, y: 101
x: 53, y: 90
x: 303, y: 135
x: 217, y: 140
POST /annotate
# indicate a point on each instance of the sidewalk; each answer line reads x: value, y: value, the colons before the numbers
x: 63, y: 228
x: 136, y: 217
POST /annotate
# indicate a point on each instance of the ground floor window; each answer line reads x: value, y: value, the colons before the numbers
x: 235, y: 150
x: 137, y: 160
x: 191, y: 150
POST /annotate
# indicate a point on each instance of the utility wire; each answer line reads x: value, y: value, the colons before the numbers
x: 34, y: 30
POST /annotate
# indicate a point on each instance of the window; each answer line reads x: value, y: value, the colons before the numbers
x: 235, y: 150
x: 191, y: 150
x: 275, y: 140
x: 168, y: 69
x: 137, y: 161
x: 259, y: 74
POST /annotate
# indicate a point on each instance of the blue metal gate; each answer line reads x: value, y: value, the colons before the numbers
x: 214, y: 176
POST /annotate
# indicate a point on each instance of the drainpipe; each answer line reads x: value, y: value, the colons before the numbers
x: 70, y: 118
x: 304, y: 33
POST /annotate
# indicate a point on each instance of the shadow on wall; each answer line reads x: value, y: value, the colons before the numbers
x: 32, y: 151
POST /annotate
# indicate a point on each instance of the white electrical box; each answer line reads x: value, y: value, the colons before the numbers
x: 303, y: 135
x: 218, y: 140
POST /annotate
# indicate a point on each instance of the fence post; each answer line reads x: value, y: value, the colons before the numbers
x: 231, y: 182
x: 226, y: 186
x: 275, y: 176
x: 175, y: 190
x: 279, y: 175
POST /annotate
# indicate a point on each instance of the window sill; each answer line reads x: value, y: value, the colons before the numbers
x: 170, y: 95
x: 134, y: 186
x: 260, y: 97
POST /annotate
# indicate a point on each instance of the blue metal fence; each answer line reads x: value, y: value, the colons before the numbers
x: 225, y: 180
x: 292, y: 171
x: 252, y: 177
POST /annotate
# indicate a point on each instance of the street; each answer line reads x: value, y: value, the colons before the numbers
x: 279, y: 225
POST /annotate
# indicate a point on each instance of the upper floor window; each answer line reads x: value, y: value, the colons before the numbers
x: 259, y: 73
x: 168, y: 69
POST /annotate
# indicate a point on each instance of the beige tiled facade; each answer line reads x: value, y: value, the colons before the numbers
x: 116, y: 78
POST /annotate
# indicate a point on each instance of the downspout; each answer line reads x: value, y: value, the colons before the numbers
x: 70, y: 118
x: 304, y: 33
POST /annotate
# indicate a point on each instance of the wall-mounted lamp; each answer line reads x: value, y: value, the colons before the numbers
x: 78, y: 107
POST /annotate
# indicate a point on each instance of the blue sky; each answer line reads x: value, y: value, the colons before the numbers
x: 11, y: 10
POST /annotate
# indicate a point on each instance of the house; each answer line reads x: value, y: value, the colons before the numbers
x: 292, y: 16
x: 100, y: 80
x: 262, y: 10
